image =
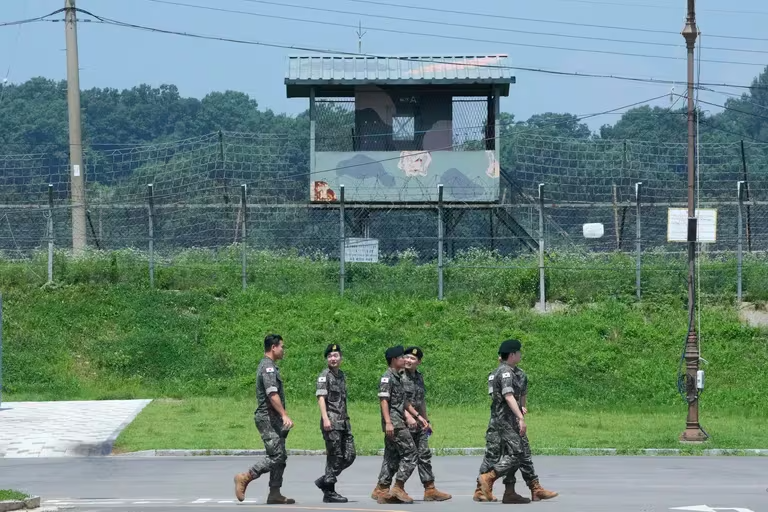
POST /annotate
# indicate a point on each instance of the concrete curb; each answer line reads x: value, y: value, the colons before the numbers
x: 451, y: 451
x: 29, y: 503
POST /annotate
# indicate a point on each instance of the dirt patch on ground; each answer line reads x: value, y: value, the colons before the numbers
x: 754, y: 315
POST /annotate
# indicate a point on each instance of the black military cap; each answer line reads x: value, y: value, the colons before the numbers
x: 333, y: 347
x: 415, y: 351
x: 393, y: 352
x: 510, y: 347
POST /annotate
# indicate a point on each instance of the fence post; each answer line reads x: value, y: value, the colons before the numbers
x: 440, y: 234
x: 740, y: 242
x: 341, y: 240
x: 638, y: 240
x: 151, y: 203
x: 50, y: 233
x: 244, y: 212
x: 746, y: 195
x: 1, y: 349
x: 542, y: 291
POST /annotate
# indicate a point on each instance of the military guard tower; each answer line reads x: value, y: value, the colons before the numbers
x: 391, y: 129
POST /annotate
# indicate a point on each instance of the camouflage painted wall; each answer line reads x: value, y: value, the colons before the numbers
x: 467, y: 176
x: 402, y: 119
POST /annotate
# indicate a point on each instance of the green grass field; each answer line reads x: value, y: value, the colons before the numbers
x: 11, y: 495
x: 227, y: 423
x: 602, y: 373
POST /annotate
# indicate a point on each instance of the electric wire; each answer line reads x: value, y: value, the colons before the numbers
x: 457, y: 38
x: 336, y: 53
x: 441, y: 23
x: 536, y: 20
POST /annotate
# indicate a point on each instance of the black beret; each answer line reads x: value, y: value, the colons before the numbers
x: 510, y: 347
x: 393, y: 352
x: 333, y: 347
x: 416, y: 351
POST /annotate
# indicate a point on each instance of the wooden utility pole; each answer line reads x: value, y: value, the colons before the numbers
x: 76, y: 167
x: 693, y: 432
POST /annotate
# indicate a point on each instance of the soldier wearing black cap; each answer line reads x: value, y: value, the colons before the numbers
x: 506, y: 418
x: 416, y: 392
x: 506, y: 452
x: 400, y: 452
x: 526, y: 461
x: 334, y: 424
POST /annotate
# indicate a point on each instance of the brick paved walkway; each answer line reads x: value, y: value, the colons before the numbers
x: 64, y: 429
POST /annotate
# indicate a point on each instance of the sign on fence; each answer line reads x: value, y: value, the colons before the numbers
x: 677, y: 225
x: 362, y: 250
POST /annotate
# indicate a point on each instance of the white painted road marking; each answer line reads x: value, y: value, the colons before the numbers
x: 705, y: 508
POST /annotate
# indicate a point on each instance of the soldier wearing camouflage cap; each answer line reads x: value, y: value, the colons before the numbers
x: 331, y: 395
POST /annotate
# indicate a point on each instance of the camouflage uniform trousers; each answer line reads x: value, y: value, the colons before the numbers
x: 340, y: 453
x: 400, y: 456
x: 423, y: 457
x: 523, y: 461
x: 274, y: 462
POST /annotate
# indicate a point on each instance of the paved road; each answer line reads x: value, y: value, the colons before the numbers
x: 586, y: 484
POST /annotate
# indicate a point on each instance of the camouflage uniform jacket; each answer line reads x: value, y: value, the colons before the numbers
x: 268, y: 381
x: 501, y: 382
x: 415, y: 390
x: 333, y: 386
x: 521, y: 388
x: 391, y: 387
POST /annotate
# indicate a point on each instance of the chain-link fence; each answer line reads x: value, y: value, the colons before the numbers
x: 576, y: 220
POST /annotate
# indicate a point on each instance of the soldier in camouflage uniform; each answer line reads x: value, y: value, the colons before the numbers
x: 525, y: 462
x: 415, y: 390
x: 400, y: 453
x: 273, y: 424
x: 506, y: 418
x: 334, y: 424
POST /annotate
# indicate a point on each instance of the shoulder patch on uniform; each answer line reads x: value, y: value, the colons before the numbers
x: 269, y: 369
x: 321, y: 379
x: 491, y: 377
x: 505, y: 375
x: 385, y: 379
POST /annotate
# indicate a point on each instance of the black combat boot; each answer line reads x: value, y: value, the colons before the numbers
x: 331, y: 496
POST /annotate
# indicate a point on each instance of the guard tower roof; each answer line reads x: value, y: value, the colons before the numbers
x: 338, y: 75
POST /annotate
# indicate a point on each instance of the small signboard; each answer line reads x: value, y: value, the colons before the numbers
x: 677, y: 225
x: 594, y: 230
x: 361, y: 250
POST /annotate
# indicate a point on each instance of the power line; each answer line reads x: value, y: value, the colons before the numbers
x: 659, y: 81
x: 457, y: 38
x: 30, y: 20
x: 535, y: 20
x: 448, y: 24
x: 657, y: 6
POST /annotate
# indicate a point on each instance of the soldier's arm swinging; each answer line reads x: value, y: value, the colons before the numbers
x: 274, y: 400
x: 388, y: 428
x: 510, y: 398
x: 324, y: 413
x: 524, y: 404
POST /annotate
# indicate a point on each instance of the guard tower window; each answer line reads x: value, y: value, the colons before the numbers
x: 403, y: 128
